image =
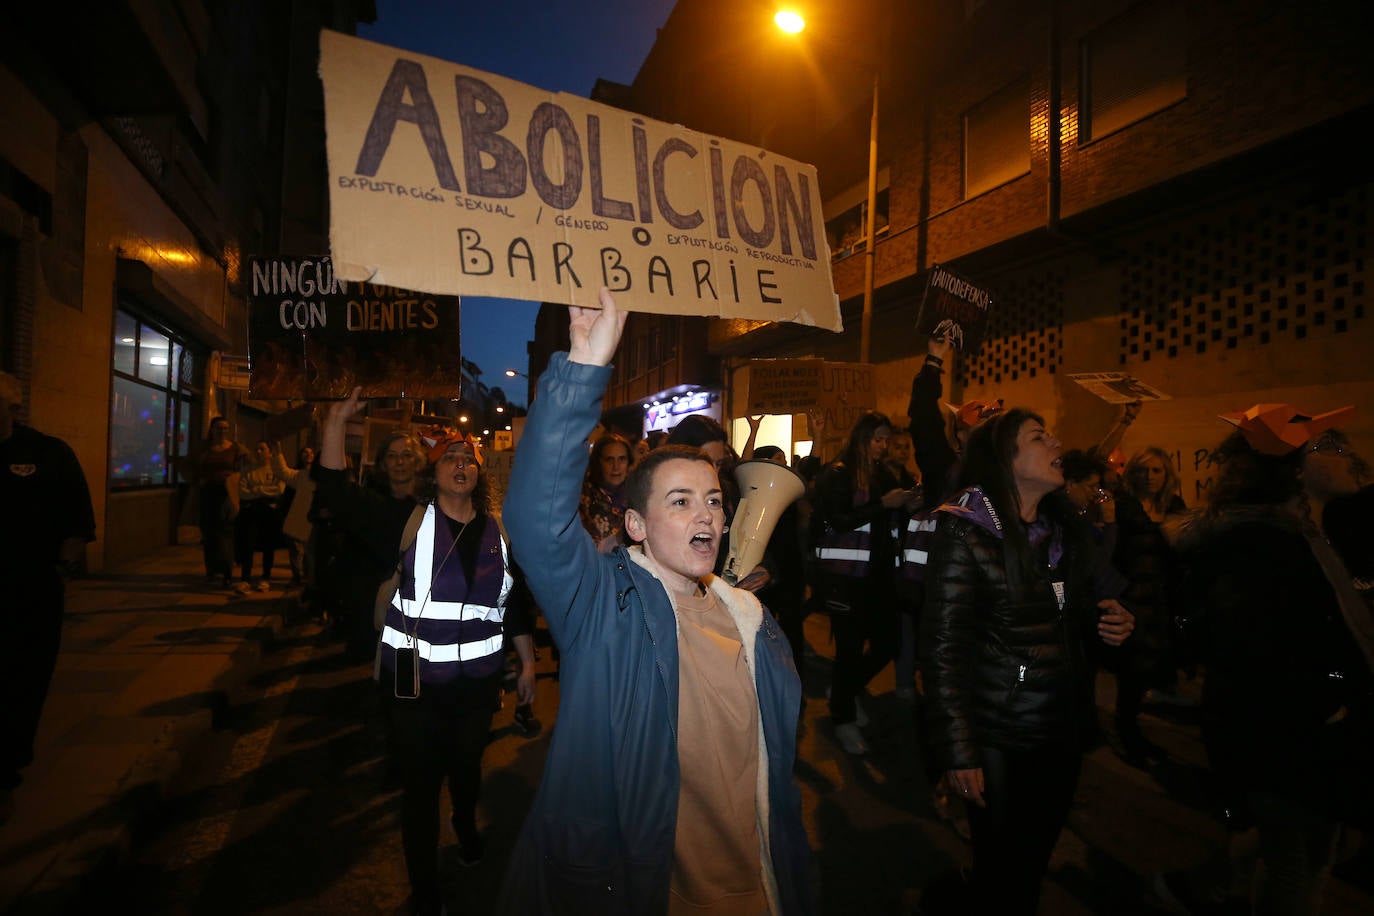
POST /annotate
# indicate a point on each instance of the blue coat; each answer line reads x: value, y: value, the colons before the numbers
x: 599, y: 836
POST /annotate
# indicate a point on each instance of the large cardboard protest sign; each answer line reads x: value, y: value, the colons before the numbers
x: 313, y: 335
x: 451, y: 180
x: 955, y: 309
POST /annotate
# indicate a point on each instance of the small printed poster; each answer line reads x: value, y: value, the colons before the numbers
x: 955, y: 309
x: 1118, y: 387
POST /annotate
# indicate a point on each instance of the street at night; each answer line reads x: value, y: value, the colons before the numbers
x: 285, y: 806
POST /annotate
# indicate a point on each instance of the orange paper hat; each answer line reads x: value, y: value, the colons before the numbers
x: 971, y: 413
x: 443, y: 440
x: 1277, y: 429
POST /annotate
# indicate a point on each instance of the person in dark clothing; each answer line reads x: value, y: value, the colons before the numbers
x: 49, y: 521
x: 442, y: 646
x: 217, y: 465
x: 1287, y: 645
x: 857, y: 503
x: 1018, y: 597
x: 356, y: 559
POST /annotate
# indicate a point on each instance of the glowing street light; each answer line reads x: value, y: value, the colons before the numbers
x: 792, y: 23
x: 463, y: 418
x: 789, y: 21
x: 512, y: 373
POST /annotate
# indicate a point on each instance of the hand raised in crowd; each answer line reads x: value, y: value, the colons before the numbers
x: 1115, y: 624
x: 595, y: 333
x: 340, y: 411
x: 939, y: 347
x: 332, y: 436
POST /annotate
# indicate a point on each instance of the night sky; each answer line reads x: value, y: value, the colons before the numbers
x: 556, y: 45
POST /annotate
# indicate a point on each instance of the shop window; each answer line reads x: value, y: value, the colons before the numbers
x: 151, y: 404
x: 997, y: 139
x: 1133, y: 66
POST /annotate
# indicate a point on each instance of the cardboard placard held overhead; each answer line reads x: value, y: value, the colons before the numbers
x: 1118, y: 387
x: 451, y: 180
x: 955, y: 309
x: 785, y: 385
x: 313, y: 335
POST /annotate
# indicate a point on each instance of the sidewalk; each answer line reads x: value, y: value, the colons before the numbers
x: 149, y: 653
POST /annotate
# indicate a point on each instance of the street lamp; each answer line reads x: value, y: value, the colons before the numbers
x: 792, y: 23
x: 512, y: 373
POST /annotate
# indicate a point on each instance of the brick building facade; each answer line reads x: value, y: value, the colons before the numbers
x: 1173, y: 190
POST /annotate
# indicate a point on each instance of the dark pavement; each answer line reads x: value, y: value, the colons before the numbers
x: 199, y: 755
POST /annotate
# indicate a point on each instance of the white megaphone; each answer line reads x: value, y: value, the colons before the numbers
x: 766, y: 488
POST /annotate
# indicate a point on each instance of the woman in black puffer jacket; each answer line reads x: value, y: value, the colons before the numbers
x: 1018, y: 598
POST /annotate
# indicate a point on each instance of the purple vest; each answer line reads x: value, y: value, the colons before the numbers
x: 456, y: 625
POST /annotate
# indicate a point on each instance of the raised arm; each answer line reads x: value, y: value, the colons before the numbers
x: 929, y: 442
x: 541, y: 509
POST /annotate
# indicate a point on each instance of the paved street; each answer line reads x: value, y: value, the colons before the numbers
x: 287, y: 809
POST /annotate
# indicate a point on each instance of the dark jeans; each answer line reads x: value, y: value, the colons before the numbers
x: 216, y: 530
x: 871, y: 619
x: 1028, y: 793
x: 440, y: 735
x: 258, y: 528
x: 28, y: 655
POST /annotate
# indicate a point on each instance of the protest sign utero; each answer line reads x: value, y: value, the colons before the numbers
x: 955, y: 309
x: 452, y: 180
x: 1118, y: 387
x: 313, y: 335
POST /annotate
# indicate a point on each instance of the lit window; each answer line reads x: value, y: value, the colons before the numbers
x: 150, y: 406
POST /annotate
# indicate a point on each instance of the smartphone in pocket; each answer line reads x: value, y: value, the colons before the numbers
x: 407, y: 673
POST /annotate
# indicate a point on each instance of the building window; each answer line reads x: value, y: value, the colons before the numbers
x: 845, y: 217
x: 997, y: 139
x: 1133, y: 66
x: 151, y: 404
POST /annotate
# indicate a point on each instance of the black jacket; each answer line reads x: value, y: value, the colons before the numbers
x: 1280, y: 662
x: 1003, y: 665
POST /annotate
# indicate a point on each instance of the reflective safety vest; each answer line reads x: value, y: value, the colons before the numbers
x: 455, y: 626
x: 913, y: 552
x: 845, y: 553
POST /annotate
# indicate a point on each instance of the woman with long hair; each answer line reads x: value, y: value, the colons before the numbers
x: 1018, y: 597
x: 1287, y: 645
x: 857, y: 503
x: 1151, y: 478
x: 602, y: 507
x: 441, y: 651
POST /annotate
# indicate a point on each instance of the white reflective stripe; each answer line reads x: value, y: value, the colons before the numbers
x: 841, y: 553
x: 424, y: 558
x: 424, y: 577
x: 919, y: 557
x: 923, y: 524
x: 450, y: 610
x: 865, y: 528
x: 468, y: 651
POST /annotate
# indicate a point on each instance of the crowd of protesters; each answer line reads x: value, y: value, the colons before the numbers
x: 999, y: 570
